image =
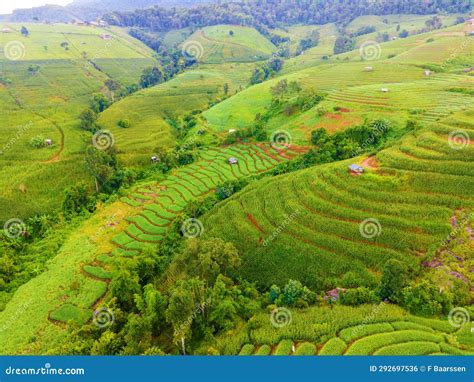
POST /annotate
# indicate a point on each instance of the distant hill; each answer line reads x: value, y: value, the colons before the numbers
x: 92, y: 9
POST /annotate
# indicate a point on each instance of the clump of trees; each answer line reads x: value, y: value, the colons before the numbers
x: 264, y: 71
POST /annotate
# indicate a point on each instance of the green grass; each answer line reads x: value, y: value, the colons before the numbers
x: 365, y: 330
x: 215, y: 44
x: 48, y: 104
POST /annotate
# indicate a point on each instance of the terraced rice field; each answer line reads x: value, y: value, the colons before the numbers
x: 411, y: 336
x: 307, y: 225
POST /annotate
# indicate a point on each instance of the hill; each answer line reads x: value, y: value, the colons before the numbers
x: 225, y: 43
x: 48, y: 78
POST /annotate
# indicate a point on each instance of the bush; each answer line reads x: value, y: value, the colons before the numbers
x: 124, y: 123
x: 284, y: 347
x: 335, y: 346
x: 358, y: 296
x: 306, y: 348
x: 38, y: 142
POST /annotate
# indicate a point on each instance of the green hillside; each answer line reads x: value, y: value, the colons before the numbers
x: 228, y: 43
x: 276, y: 228
x: 44, y: 87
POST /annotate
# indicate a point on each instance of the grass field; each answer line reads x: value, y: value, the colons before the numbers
x: 47, y: 103
x: 216, y: 44
x: 367, y: 330
x: 321, y: 210
x: 304, y: 225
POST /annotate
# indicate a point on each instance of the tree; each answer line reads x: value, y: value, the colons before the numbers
x: 425, y: 299
x: 279, y: 89
x: 123, y: 287
x: 99, y: 103
x: 151, y: 76
x: 319, y: 136
x: 76, y: 200
x: 112, y: 85
x: 24, y: 31
x: 394, y: 279
x: 403, y: 34
x: 343, y: 44
x: 102, y: 165
x: 88, y: 120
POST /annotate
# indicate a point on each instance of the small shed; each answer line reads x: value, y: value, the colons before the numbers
x: 427, y: 73
x: 384, y: 90
x: 231, y: 131
x: 6, y: 30
x: 155, y: 159
x: 369, y: 69
x: 48, y: 142
x: 356, y: 169
x: 232, y: 160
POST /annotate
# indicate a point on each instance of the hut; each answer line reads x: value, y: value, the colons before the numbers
x: 155, y: 159
x: 356, y: 169
x: 6, y: 30
x: 232, y: 160
x: 48, y: 142
x: 369, y: 69
x: 384, y: 90
x: 427, y: 73
x: 232, y: 131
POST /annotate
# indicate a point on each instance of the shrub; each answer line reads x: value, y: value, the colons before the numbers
x: 264, y: 350
x: 335, y: 346
x: 38, y: 142
x: 284, y: 347
x: 358, y: 296
x: 124, y: 123
x: 247, y: 349
x: 306, y: 348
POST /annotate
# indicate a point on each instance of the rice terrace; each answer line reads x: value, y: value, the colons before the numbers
x: 242, y: 178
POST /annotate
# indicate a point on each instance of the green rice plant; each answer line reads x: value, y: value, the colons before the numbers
x: 284, y: 347
x: 335, y: 346
x: 306, y: 348
x: 409, y: 348
x: 263, y: 350
x: 247, y: 349
x: 68, y: 312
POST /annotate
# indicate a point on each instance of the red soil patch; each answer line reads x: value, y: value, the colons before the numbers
x: 371, y: 162
x: 255, y: 223
x: 344, y: 110
x: 333, y: 116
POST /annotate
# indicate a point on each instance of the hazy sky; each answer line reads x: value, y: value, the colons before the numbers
x: 7, y: 6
